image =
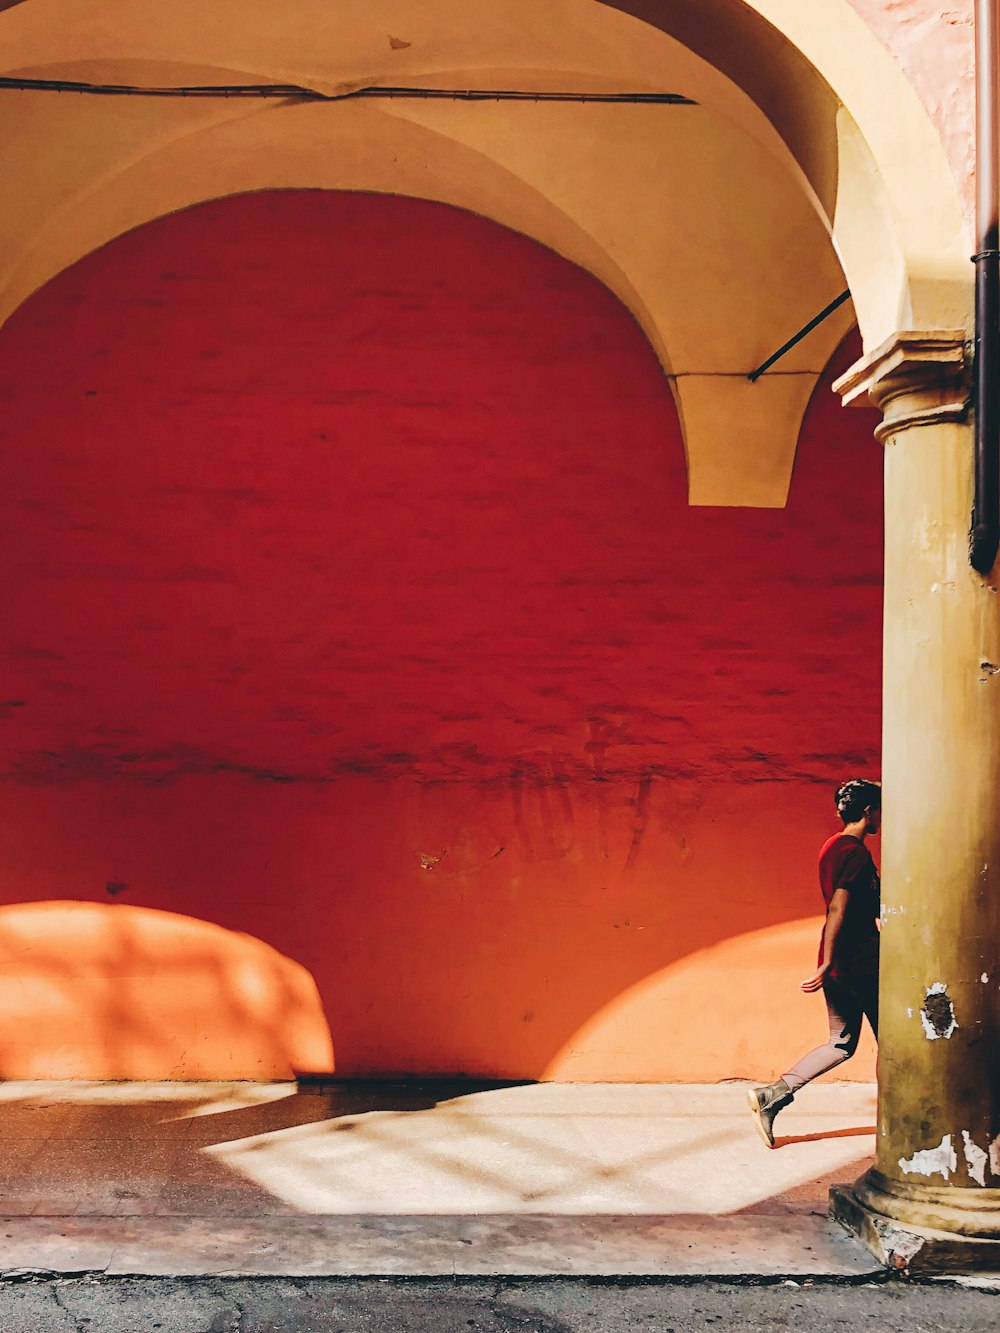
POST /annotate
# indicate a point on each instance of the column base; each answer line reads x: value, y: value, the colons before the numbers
x: 929, y: 1235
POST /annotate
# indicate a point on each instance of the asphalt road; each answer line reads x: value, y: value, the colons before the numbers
x: 366, y: 1305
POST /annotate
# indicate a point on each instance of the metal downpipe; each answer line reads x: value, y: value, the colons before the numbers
x: 984, y: 539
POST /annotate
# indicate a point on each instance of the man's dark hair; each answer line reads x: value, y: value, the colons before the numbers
x: 855, y: 797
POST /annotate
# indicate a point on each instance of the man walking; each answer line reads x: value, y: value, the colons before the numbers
x: 847, y: 970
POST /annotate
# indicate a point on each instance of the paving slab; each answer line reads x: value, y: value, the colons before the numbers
x: 425, y: 1180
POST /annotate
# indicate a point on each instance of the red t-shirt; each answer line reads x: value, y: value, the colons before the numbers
x: 846, y: 863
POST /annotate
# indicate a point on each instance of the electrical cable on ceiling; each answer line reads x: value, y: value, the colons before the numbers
x: 292, y: 90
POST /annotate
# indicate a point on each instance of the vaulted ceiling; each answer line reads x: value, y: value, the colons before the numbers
x: 701, y: 218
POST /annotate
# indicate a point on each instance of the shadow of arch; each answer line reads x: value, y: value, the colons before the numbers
x: 758, y: 1014
x: 89, y: 990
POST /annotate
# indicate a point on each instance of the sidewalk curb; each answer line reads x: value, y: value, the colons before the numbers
x: 791, y: 1247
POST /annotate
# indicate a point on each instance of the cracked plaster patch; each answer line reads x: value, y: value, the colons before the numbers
x: 942, y: 1160
x: 975, y: 1157
x: 937, y: 1017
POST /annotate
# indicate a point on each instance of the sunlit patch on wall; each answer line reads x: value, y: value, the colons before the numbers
x: 113, y: 991
x: 760, y: 1021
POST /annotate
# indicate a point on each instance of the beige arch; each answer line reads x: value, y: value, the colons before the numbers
x: 862, y: 138
x: 712, y: 224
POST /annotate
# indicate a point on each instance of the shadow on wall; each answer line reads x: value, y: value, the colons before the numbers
x: 119, y: 992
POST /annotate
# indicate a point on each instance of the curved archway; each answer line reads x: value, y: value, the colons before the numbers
x: 804, y: 148
x: 862, y: 139
x: 782, y: 153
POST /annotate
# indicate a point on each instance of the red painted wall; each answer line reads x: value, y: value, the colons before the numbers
x: 352, y: 601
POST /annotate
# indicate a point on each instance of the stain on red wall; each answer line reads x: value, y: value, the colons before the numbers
x: 352, y: 600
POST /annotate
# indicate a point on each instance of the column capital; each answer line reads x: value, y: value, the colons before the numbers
x: 916, y: 378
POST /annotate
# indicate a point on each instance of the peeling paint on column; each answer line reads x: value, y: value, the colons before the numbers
x: 975, y: 1157
x: 995, y: 1156
x: 942, y: 1160
x: 984, y: 978
x: 938, y: 1013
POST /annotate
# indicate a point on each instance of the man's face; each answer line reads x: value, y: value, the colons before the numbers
x: 873, y: 818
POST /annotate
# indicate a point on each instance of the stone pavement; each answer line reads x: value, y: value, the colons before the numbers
x: 489, y: 1305
x: 425, y: 1179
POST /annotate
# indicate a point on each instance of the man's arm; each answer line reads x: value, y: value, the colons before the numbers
x: 834, y: 920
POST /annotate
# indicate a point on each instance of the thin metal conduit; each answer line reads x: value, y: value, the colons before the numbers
x: 796, y: 338
x: 293, y: 90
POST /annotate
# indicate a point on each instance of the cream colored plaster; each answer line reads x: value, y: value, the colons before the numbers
x: 819, y: 73
x: 738, y: 423
x: 671, y: 239
x: 699, y: 218
x: 932, y: 42
x: 910, y: 163
x: 565, y: 44
x: 868, y: 240
x: 676, y: 227
x: 254, y: 149
x: 716, y: 236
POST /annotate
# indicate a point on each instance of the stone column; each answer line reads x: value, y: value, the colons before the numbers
x: 933, y: 1196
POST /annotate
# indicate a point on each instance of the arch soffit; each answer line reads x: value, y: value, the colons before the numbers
x: 695, y: 217
x: 863, y: 139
